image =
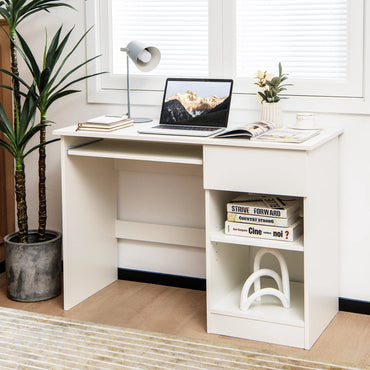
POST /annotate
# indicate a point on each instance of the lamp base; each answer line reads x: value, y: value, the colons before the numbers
x: 142, y: 120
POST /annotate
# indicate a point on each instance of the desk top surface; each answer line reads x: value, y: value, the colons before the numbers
x: 130, y: 133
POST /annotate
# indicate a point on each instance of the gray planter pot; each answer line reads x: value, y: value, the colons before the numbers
x: 33, y: 270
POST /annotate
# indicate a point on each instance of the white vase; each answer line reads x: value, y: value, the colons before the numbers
x: 272, y: 112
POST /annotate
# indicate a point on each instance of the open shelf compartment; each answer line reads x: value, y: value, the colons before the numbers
x: 230, y: 261
x: 217, y: 215
x: 229, y: 266
x: 136, y: 150
x: 269, y: 309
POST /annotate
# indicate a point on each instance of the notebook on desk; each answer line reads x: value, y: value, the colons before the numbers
x: 193, y: 107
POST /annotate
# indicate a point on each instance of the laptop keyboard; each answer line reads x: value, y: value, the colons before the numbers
x: 184, y: 127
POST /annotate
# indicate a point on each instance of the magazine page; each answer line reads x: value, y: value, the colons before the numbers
x: 287, y: 135
x: 248, y: 130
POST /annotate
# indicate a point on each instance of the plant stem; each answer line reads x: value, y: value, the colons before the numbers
x: 42, y: 183
x: 14, y: 68
x: 20, y: 193
x: 20, y: 177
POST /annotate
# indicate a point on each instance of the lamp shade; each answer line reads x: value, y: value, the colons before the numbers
x: 145, y: 56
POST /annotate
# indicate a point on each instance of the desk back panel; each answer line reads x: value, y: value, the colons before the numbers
x: 161, y: 217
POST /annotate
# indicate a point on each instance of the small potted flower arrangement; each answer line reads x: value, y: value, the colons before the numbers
x: 270, y: 88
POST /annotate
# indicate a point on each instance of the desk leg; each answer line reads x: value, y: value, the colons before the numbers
x: 89, y: 213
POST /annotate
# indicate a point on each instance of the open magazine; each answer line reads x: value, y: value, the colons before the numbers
x: 265, y: 131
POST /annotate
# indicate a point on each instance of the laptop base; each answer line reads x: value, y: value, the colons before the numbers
x: 178, y: 132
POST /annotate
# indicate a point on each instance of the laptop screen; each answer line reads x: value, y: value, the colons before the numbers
x: 196, y: 102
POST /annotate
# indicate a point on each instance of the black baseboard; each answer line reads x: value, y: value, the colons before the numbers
x: 162, y: 279
x: 355, y: 306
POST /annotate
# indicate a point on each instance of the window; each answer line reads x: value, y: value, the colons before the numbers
x: 319, y: 42
x: 310, y: 37
x: 315, y: 40
x: 178, y: 28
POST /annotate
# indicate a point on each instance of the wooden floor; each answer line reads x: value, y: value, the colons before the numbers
x: 183, y: 312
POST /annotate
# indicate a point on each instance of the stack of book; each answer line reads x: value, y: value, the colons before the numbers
x: 105, y: 124
x: 264, y: 216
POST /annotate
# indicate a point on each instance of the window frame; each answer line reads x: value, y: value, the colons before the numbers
x: 147, y: 90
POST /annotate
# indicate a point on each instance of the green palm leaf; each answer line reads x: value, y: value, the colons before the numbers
x: 6, y: 127
x: 28, y: 57
x: 75, y: 69
x: 58, y: 95
x: 29, y: 134
x: 44, y: 79
x: 48, y: 87
x: 15, y: 77
x: 40, y: 145
x: 7, y: 147
x: 15, y: 11
x: 25, y: 118
x: 55, y: 50
x: 17, y: 137
x: 69, y: 55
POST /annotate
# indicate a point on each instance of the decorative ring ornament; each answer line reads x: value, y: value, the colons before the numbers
x: 283, y: 291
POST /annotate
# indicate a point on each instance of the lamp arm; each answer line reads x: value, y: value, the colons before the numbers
x: 128, y: 87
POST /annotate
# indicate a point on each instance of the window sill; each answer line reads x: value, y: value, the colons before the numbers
x: 241, y: 101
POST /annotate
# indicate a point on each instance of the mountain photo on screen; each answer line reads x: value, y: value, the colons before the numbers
x: 200, y: 103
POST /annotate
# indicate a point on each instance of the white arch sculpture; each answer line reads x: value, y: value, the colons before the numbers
x: 283, y: 291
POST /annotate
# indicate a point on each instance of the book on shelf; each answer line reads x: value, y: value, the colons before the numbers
x: 262, y: 220
x: 264, y: 205
x: 105, y: 123
x: 265, y: 130
x: 290, y: 233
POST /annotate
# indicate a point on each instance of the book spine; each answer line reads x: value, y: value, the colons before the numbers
x: 258, y: 211
x: 269, y: 221
x: 264, y: 232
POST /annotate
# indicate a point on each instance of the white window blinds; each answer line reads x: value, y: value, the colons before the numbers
x: 309, y: 37
x: 178, y: 28
x: 319, y: 42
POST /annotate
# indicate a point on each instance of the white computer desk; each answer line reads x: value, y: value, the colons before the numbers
x: 230, y: 166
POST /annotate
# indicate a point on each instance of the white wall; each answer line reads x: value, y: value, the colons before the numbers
x: 355, y: 155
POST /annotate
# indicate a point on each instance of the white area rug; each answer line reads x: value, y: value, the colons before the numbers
x: 35, y: 341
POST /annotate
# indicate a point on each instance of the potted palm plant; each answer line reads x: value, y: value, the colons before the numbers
x: 33, y: 257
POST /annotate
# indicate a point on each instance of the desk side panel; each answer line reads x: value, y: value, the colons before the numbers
x: 89, y: 214
x: 321, y: 240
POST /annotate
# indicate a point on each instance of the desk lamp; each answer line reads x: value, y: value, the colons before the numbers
x: 146, y: 58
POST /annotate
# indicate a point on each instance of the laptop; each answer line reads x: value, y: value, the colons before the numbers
x: 193, y: 107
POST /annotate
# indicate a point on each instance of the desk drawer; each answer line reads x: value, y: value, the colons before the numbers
x: 256, y: 170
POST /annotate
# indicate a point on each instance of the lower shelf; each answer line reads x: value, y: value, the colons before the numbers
x: 269, y: 309
x: 266, y: 321
x: 268, y: 332
x: 221, y: 237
